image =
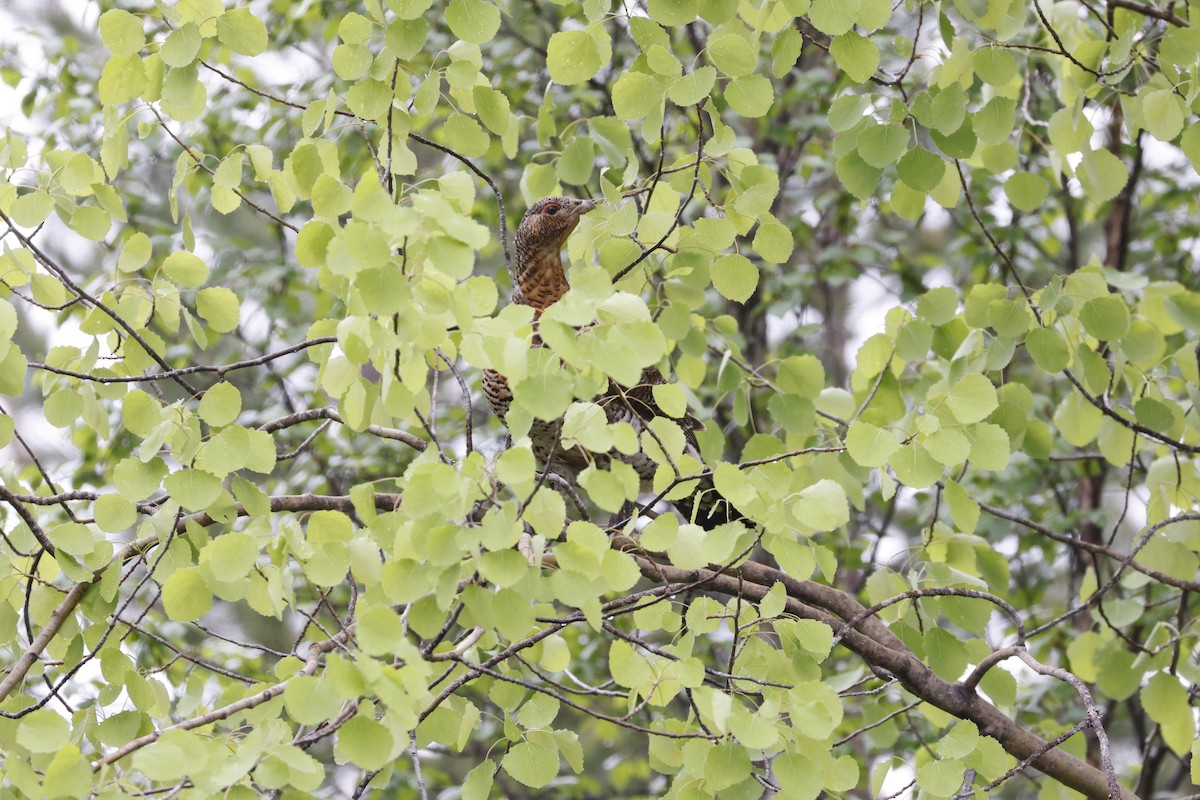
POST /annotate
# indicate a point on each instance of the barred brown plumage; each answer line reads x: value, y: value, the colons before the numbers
x: 541, y: 281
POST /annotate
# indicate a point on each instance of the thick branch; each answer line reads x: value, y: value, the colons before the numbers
x: 60, y: 615
x: 1165, y: 14
x: 812, y: 601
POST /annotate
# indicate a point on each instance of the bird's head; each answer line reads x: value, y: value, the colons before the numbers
x: 549, y: 222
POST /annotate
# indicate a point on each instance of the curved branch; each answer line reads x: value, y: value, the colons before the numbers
x: 60, y: 614
x: 174, y: 373
x: 1092, y: 547
x: 315, y: 651
x: 331, y: 414
x: 832, y: 607
x: 61, y: 274
x: 1147, y: 10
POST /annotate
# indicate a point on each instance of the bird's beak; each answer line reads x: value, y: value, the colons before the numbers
x: 584, y: 207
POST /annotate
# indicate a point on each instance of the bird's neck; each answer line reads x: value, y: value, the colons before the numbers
x: 541, y: 280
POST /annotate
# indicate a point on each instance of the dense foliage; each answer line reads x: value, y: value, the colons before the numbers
x: 260, y: 535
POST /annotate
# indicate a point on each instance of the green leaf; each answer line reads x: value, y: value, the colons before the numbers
x: 672, y: 12
x: 380, y: 630
x: 948, y: 446
x: 963, y: 509
x: 856, y: 55
x: 1163, y: 114
x: 869, y: 445
x: 972, y: 399
x: 1009, y: 318
x: 610, y: 488
x: 141, y: 413
x: 529, y: 763
x: 572, y: 57
x: 231, y: 556
x: 229, y: 174
x: 726, y: 765
x: 32, y: 209
x: 834, y: 17
x: 74, y: 538
x: 785, y: 51
x: 799, y: 776
x: 1077, y: 420
x: 184, y: 96
x: 123, y: 79
x: 945, y: 652
x: 185, y: 596
x: 91, y: 223
x: 181, y: 46
x: 847, y: 111
x: 474, y: 21
x: 920, y: 169
x: 185, y: 269
x: 114, y: 513
x: 1026, y: 191
x: 1190, y: 144
x: 995, y: 66
x: 751, y: 96
x: 693, y: 86
x: 1106, y: 317
x: 1154, y: 414
x: 219, y: 307
x: 948, y: 110
x: 122, y: 32
x: 365, y: 742
x: 958, y: 144
x: 134, y: 253
x: 635, y: 95
x: 1102, y: 175
x: 670, y: 399
x: 503, y: 567
x: 961, y: 741
x: 822, y: 506
x: 941, y: 778
x: 309, y: 701
x: 242, y: 32
x: 803, y: 376
x: 773, y: 242
x: 994, y: 122
x: 68, y: 774
x: 492, y: 108
x: 859, y: 177
x: 478, y: 785
x: 7, y: 428
x: 1048, y: 349
x: 577, y: 161
x: 1166, y: 701
x: 663, y: 62
x: 734, y: 277
x: 881, y: 145
x: 1069, y: 130
x: 732, y: 54
x: 42, y: 731
x: 221, y: 404
x: 466, y: 135
x: 193, y: 489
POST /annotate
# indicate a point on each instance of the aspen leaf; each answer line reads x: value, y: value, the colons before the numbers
x: 572, y: 57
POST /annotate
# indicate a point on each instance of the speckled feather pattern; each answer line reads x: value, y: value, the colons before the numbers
x: 540, y: 282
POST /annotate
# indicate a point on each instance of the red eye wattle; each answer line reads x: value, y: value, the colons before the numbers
x: 551, y: 209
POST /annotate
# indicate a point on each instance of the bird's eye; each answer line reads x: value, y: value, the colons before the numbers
x: 551, y: 209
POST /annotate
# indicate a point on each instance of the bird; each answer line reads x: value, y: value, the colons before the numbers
x: 539, y: 282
